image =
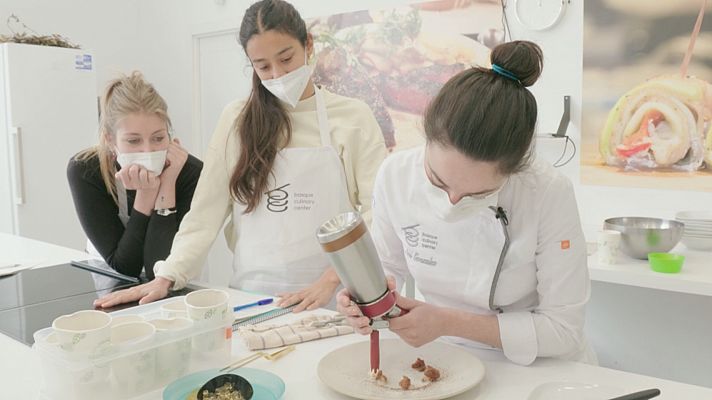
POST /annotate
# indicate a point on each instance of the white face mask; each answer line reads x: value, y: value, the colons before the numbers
x: 153, y: 161
x: 467, y: 206
x: 289, y: 87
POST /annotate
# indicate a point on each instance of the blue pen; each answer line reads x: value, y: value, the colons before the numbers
x: 255, y: 304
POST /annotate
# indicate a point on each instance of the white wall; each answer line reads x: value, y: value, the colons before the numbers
x: 166, y: 55
x: 109, y: 29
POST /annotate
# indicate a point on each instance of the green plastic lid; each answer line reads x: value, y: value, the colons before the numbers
x: 668, y: 263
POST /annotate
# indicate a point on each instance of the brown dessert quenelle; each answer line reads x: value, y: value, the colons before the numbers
x: 432, y: 374
x: 404, y: 383
x: 380, y: 377
x: 418, y: 365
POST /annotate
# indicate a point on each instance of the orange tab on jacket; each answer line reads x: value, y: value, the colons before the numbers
x: 565, y: 244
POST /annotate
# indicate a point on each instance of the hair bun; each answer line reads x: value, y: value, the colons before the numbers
x: 522, y: 58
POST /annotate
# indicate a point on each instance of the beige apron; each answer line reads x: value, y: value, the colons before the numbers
x: 276, y: 250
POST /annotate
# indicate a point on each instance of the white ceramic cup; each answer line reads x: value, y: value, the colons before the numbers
x: 209, y: 308
x: 89, y: 381
x: 49, y: 340
x: 174, y: 309
x: 207, y: 305
x: 134, y: 372
x: 608, y: 244
x: 84, y: 333
x: 122, y: 319
x: 172, y: 358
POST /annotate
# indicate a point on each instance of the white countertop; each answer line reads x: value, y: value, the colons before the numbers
x: 504, y: 380
x: 35, y: 254
x: 694, y: 278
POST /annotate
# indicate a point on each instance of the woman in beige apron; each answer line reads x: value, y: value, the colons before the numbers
x: 277, y: 253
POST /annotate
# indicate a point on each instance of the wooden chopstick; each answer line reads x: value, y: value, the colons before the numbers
x: 252, y: 357
x: 239, y: 363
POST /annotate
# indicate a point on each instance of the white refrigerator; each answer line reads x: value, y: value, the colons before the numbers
x: 48, y: 112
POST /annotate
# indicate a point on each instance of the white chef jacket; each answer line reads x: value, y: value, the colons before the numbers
x: 543, y: 285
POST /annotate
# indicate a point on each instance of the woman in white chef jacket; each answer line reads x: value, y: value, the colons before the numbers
x: 280, y: 164
x: 491, y: 236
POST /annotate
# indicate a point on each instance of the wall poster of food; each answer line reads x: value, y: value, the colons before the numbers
x: 647, y: 108
x: 397, y: 59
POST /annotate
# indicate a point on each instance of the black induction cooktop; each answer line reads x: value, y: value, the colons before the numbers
x: 33, y: 286
x: 31, y: 299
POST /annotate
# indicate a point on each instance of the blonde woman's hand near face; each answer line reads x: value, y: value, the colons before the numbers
x: 136, y: 177
x: 144, y: 182
x: 176, y: 156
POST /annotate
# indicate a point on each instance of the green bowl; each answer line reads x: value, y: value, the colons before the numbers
x: 666, y: 262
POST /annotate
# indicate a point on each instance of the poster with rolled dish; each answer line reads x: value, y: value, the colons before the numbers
x: 647, y: 97
x: 396, y: 59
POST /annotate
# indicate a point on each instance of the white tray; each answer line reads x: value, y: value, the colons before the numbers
x: 157, y: 361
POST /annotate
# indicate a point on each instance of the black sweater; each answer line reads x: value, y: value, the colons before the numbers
x: 146, y: 239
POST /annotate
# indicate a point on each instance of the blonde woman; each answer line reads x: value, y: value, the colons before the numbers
x: 132, y: 190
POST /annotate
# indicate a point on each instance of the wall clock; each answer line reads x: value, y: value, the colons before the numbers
x: 539, y: 15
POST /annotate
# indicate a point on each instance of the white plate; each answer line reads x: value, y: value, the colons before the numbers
x: 696, y: 225
x: 697, y: 233
x: 695, y: 221
x: 702, y: 216
x: 346, y: 370
x: 574, y: 390
x: 695, y: 243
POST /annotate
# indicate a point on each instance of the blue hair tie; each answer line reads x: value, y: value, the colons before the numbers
x: 505, y: 73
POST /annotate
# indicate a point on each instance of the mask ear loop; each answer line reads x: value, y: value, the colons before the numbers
x: 115, y: 151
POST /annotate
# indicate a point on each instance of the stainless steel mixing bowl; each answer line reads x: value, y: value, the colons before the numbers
x: 641, y: 235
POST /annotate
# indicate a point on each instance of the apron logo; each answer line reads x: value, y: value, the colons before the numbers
x: 565, y: 244
x: 412, y: 235
x: 278, y: 199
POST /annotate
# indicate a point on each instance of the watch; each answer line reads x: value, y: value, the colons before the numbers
x: 164, y: 212
x: 539, y: 15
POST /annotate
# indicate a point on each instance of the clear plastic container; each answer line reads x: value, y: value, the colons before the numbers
x: 132, y: 369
